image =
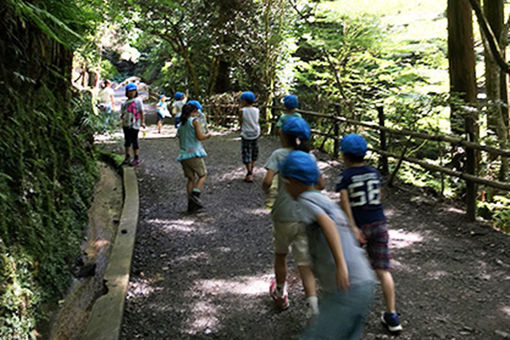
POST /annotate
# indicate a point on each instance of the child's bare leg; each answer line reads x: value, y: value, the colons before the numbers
x: 305, y: 272
x: 159, y: 125
x: 388, y: 288
x: 200, y: 182
x: 127, y: 149
x: 280, y: 268
x: 189, y: 185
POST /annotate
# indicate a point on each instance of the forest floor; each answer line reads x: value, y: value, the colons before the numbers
x: 207, y: 275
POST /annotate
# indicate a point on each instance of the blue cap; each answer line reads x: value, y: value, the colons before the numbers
x: 162, y: 96
x: 248, y: 96
x: 296, y: 126
x: 131, y: 87
x: 196, y: 104
x: 291, y: 102
x: 354, y: 144
x: 178, y: 95
x: 301, y: 166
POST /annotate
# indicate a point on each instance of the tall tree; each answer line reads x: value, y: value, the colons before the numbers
x: 495, y: 78
x: 461, y: 59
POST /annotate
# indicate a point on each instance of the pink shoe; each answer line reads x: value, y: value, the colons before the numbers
x: 282, y: 301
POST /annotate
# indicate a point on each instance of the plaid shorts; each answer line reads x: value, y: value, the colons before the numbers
x: 376, y: 235
x: 249, y: 150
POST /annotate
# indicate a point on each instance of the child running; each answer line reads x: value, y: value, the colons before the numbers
x: 291, y: 104
x: 250, y: 133
x: 191, y: 155
x: 288, y: 230
x: 360, y: 199
x: 132, y: 119
x: 162, y: 111
x: 338, y: 262
x: 180, y: 100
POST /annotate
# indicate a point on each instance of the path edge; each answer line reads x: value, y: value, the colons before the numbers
x: 106, y: 316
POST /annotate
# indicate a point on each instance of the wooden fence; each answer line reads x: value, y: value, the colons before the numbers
x: 231, y: 117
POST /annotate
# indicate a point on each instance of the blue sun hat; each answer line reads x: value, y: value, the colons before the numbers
x: 296, y: 126
x: 291, y: 102
x: 196, y: 104
x: 178, y: 95
x: 248, y: 96
x: 353, y: 144
x: 131, y: 87
x: 301, y: 166
x: 162, y: 96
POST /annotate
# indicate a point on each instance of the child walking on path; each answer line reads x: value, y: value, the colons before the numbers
x: 162, y: 111
x: 250, y: 133
x: 360, y: 199
x: 288, y: 230
x: 132, y: 119
x: 180, y: 100
x: 291, y: 104
x: 339, y: 263
x: 191, y: 155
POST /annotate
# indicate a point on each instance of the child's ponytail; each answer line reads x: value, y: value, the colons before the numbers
x: 187, y: 110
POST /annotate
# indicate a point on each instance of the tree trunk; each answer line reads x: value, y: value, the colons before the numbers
x: 461, y: 58
x: 496, y: 85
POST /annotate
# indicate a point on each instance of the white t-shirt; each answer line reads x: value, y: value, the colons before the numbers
x: 250, y: 128
x: 177, y: 107
x: 104, y: 96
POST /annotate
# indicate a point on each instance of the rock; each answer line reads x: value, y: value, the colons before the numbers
x: 502, y: 334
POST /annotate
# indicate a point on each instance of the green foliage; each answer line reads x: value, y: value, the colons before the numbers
x: 497, y: 211
x: 48, y: 170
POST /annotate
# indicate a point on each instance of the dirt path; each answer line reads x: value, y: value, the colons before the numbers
x: 207, y: 275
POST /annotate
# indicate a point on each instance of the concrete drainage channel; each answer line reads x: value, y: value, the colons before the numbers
x: 106, y: 316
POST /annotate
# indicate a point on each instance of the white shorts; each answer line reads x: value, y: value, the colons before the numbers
x: 292, y: 236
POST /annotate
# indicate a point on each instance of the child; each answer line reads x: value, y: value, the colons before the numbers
x: 132, y: 119
x: 288, y: 230
x: 191, y: 155
x: 291, y: 104
x: 250, y: 133
x: 162, y: 111
x: 338, y: 262
x: 201, y: 116
x: 180, y: 100
x: 360, y: 199
x: 106, y: 101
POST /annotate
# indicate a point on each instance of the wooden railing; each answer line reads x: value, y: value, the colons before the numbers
x: 382, y: 150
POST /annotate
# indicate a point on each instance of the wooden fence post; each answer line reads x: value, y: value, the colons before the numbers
x: 336, y: 131
x: 383, y: 161
x: 471, y: 187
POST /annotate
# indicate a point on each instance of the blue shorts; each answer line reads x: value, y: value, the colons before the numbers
x: 342, y: 314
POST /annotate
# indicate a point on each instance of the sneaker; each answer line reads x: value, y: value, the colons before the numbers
x: 135, y: 162
x: 392, y: 322
x: 126, y: 161
x: 281, y: 302
x: 195, y: 197
x: 248, y: 179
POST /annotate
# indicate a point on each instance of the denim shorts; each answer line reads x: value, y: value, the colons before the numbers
x: 342, y: 314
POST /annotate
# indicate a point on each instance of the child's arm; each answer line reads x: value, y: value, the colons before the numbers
x: 200, y: 136
x: 346, y: 207
x: 268, y: 180
x: 328, y: 227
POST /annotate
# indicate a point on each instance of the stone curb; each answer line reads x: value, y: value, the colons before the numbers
x: 106, y: 315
